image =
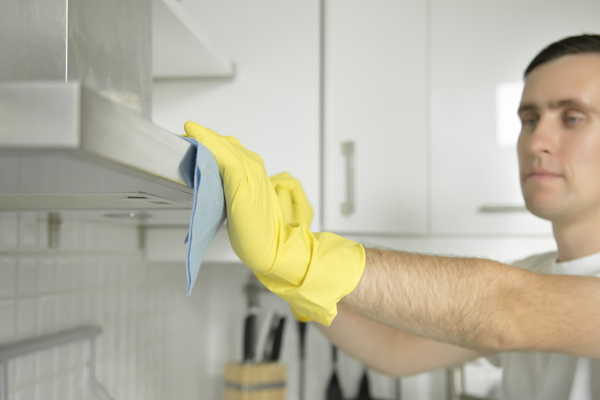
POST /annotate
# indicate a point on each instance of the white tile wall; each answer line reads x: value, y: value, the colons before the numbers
x: 151, y: 347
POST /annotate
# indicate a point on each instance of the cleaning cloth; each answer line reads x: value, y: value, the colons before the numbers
x: 200, y: 171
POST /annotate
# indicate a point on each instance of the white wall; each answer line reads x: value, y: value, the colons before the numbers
x: 153, y: 338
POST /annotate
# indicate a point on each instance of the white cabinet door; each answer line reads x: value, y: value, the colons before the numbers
x: 271, y: 104
x: 479, y: 49
x: 375, y: 97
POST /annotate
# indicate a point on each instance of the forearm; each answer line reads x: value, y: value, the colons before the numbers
x: 389, y: 350
x: 480, y: 304
x: 463, y: 301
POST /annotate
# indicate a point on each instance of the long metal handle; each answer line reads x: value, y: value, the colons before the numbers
x: 348, y: 151
x: 397, y: 389
x: 501, y: 209
x: 30, y: 346
x: 455, y: 381
x: 302, y: 356
x: 93, y: 379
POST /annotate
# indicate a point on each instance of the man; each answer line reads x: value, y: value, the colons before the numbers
x: 410, y: 313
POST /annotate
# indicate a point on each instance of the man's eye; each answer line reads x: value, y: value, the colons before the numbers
x: 529, y: 122
x: 573, y: 119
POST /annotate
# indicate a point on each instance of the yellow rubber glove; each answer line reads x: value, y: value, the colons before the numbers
x: 296, y: 209
x: 294, y: 204
x: 311, y: 271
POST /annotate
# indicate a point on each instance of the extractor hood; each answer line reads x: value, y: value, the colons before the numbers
x: 63, y: 146
x: 75, y: 105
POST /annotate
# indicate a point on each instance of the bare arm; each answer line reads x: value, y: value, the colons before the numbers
x: 388, y: 350
x: 480, y: 304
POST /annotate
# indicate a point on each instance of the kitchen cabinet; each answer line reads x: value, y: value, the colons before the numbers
x: 375, y: 116
x: 479, y: 52
x: 271, y: 104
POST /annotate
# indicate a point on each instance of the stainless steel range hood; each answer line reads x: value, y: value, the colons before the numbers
x: 75, y: 105
x: 63, y: 146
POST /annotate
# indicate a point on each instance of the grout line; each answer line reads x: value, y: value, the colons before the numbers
x: 429, y: 114
x: 321, y: 115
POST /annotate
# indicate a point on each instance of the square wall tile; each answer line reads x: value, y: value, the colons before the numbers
x: 9, y: 182
x: 77, y: 273
x: 79, y: 354
x: 112, y: 303
x: 63, y: 358
x: 42, y: 231
x: 24, y: 370
x: 29, y: 166
x: 25, y: 394
x: 46, y: 321
x: 28, y: 230
x: 102, y: 345
x: 65, y: 241
x: 27, y: 276
x: 79, y: 385
x: 103, y: 374
x: 102, y: 305
x: 92, y: 313
x: 45, y: 366
x: 48, y: 174
x: 45, y: 390
x: 46, y: 280
x: 9, y: 230
x: 8, y: 277
x: 8, y: 316
x: 78, y: 309
x: 64, y: 312
x: 124, y: 305
x: 65, y: 174
x: 141, y: 389
x: 62, y: 388
x: 80, y: 239
x: 26, y: 318
x: 92, y: 267
x: 64, y: 277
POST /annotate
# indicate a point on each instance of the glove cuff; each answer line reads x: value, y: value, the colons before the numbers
x: 335, y: 269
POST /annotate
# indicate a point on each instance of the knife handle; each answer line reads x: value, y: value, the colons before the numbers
x: 249, y: 344
x: 301, y: 338
x: 277, y: 340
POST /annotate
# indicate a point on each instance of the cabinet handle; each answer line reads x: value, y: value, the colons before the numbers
x: 348, y: 152
x: 501, y: 209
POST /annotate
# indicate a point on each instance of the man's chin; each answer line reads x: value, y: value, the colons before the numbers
x: 543, y: 210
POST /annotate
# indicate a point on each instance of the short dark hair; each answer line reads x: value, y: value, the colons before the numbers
x: 589, y: 43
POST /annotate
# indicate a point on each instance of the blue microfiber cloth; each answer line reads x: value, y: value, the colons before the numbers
x: 200, y: 171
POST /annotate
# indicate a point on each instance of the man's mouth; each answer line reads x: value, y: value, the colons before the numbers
x: 541, y: 174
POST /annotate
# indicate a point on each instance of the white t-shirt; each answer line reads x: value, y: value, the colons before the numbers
x: 551, y: 376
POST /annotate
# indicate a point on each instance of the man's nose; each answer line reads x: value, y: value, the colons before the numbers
x: 544, y: 137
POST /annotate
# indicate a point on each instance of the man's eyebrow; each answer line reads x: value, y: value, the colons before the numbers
x: 553, y: 105
x: 571, y: 103
x: 527, y: 107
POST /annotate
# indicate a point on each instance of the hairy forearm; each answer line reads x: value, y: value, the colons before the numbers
x: 388, y: 350
x: 464, y: 301
x: 480, y: 304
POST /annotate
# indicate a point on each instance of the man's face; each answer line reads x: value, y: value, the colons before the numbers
x: 559, y: 144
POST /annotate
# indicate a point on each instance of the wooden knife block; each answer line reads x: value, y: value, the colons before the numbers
x: 265, y: 381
